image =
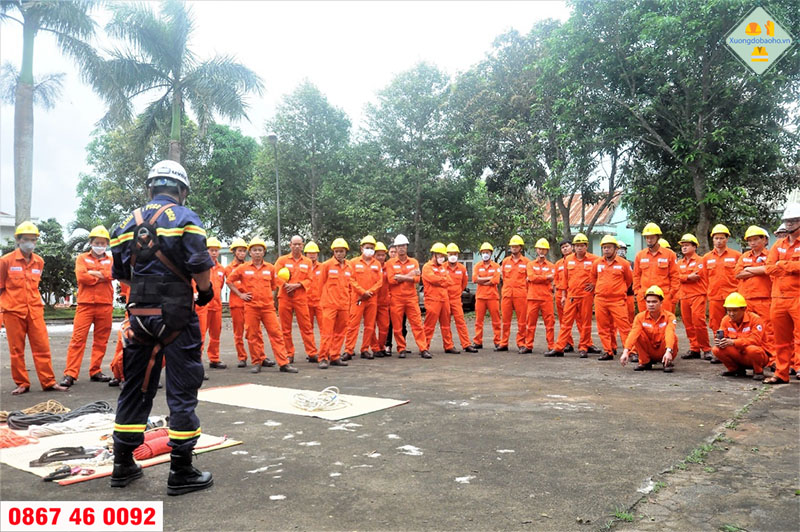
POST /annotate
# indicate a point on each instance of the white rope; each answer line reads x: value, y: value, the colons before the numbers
x: 327, y: 399
x: 85, y: 423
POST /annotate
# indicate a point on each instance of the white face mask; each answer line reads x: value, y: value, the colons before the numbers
x: 368, y: 252
x: 99, y: 250
x: 27, y: 247
x: 452, y: 259
x: 486, y: 256
x: 440, y: 260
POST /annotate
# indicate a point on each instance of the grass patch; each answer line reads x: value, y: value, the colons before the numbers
x: 52, y: 313
x: 622, y: 515
x: 659, y: 486
x: 731, y: 528
x: 698, y: 455
x: 709, y: 469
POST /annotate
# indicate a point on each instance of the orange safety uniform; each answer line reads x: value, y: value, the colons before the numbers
x: 718, y: 269
x: 783, y: 266
x: 383, y: 316
x: 650, y: 338
x: 297, y: 302
x: 660, y: 269
x: 557, y: 282
x: 116, y: 362
x: 576, y: 277
x: 540, y: 301
x: 515, y: 294
x: 236, y: 307
x: 458, y: 274
x: 747, y: 351
x: 336, y: 279
x: 435, y: 283
x: 259, y: 281
x: 23, y: 315
x: 692, y: 296
x: 213, y: 321
x: 757, y: 291
x: 487, y: 298
x: 314, y: 293
x: 404, y: 300
x: 367, y: 277
x: 95, y: 306
x: 611, y: 279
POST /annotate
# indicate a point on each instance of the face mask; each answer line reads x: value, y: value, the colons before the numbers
x: 440, y: 260
x: 27, y: 247
x: 486, y: 256
x: 99, y: 250
x: 369, y: 252
x: 452, y: 259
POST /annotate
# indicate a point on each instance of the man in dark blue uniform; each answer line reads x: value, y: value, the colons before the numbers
x: 157, y: 250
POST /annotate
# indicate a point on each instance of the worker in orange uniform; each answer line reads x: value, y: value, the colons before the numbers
x: 541, y: 273
x: 367, y: 274
x: 692, y: 296
x: 383, y: 319
x: 566, y: 249
x: 213, y: 324
x: 292, y: 297
x: 95, y: 306
x: 719, y: 271
x: 314, y: 292
x: 486, y: 275
x: 622, y: 251
x: 254, y: 282
x: 577, y: 299
x: 656, y: 265
x: 235, y: 303
x: 514, y: 270
x: 435, y: 283
x: 754, y: 283
x: 741, y: 345
x: 653, y: 334
x: 403, y: 274
x: 458, y: 274
x: 337, y: 280
x: 611, y: 276
x: 116, y: 362
x: 23, y: 311
x: 783, y: 266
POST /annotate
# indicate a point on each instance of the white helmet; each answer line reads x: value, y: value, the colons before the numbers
x: 170, y: 172
x: 781, y: 229
x: 400, y: 240
x: 792, y: 211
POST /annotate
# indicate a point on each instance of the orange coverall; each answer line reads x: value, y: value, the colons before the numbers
x: 748, y: 339
x: 487, y: 298
x: 435, y: 283
x: 783, y: 266
x: 403, y: 299
x: 458, y: 274
x: 95, y: 306
x: 557, y: 282
x: 116, y: 362
x: 692, y: 296
x: 515, y: 294
x: 757, y: 291
x: 650, y: 338
x: 23, y: 315
x: 296, y: 302
x: 336, y: 282
x: 314, y: 293
x: 259, y: 281
x: 611, y: 280
x: 383, y: 317
x: 367, y: 276
x: 577, y: 275
x: 719, y: 272
x: 540, y: 301
x: 213, y: 321
x: 236, y: 307
x: 660, y: 269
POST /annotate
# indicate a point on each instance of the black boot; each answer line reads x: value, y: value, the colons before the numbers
x: 185, y: 478
x: 126, y: 470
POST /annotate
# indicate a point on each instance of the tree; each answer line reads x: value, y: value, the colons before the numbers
x: 58, y: 278
x: 71, y: 25
x: 160, y: 61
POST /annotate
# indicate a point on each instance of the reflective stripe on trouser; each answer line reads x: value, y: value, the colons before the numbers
x: 287, y: 306
x: 438, y: 312
x: 368, y: 311
x: 34, y: 328
x: 481, y: 306
x: 785, y: 316
x: 545, y: 308
x: 507, y: 306
x: 237, y: 319
x: 399, y: 307
x: 86, y: 315
x: 736, y: 358
x: 334, y: 328
x: 715, y: 314
x: 612, y: 317
x: 578, y: 310
x: 183, y: 377
x: 253, y: 319
x: 693, y: 315
x: 653, y: 353
x: 457, y: 313
x: 213, y: 325
x: 383, y: 321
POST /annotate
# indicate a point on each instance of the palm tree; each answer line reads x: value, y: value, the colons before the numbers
x: 71, y: 25
x: 158, y: 60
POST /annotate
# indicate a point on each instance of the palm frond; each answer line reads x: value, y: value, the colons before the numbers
x: 45, y: 90
x: 220, y: 85
x: 181, y: 24
x: 152, y: 118
x: 8, y: 83
x: 149, y: 36
x: 71, y: 18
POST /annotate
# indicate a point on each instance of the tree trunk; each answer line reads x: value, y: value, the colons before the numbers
x: 23, y: 129
x: 703, y: 221
x: 553, y: 223
x: 175, y: 131
x: 564, y: 210
x: 314, y: 213
x: 417, y: 218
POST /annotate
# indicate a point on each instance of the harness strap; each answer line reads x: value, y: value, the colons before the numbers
x: 153, y: 354
x: 136, y: 311
x: 139, y: 219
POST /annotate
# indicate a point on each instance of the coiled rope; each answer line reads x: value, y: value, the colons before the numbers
x: 52, y: 407
x: 21, y: 420
x: 327, y: 399
x: 9, y: 438
x: 84, y: 423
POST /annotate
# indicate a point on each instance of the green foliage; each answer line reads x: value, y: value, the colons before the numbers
x: 623, y: 515
x: 58, y: 277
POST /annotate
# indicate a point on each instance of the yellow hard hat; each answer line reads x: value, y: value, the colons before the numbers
x: 452, y: 248
x: 369, y: 239
x: 663, y: 243
x: 580, y: 238
x: 438, y: 247
x: 380, y: 246
x: 213, y: 242
x: 735, y: 300
x: 720, y: 229
x: 27, y: 228
x: 284, y: 274
x: 99, y: 231
x: 542, y: 243
x: 340, y: 243
x: 651, y: 229
x: 238, y: 243
x: 516, y: 240
x: 609, y: 239
x: 311, y: 247
x: 486, y: 246
x: 654, y: 290
x: 754, y: 230
x: 689, y: 237
x: 257, y: 241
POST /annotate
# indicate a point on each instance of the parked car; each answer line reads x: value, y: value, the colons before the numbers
x: 467, y: 297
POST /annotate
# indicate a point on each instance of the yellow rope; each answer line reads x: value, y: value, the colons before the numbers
x: 50, y: 407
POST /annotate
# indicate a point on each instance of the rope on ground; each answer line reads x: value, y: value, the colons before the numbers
x: 327, y: 399
x: 53, y: 407
x: 20, y: 420
x: 84, y: 423
x: 9, y: 438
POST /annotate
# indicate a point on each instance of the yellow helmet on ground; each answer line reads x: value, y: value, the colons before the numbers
x: 580, y: 238
x: 609, y: 239
x: 284, y: 274
x: 238, y: 243
x: 438, y: 247
x: 311, y: 247
x: 257, y: 241
x: 689, y: 238
x: 27, y: 228
x: 486, y: 247
x: 754, y: 230
x: 380, y: 246
x: 213, y: 242
x: 99, y: 231
x: 369, y: 239
x: 453, y: 248
x: 720, y: 229
x: 664, y: 243
x: 651, y: 229
x: 735, y: 300
x: 516, y: 240
x: 340, y: 243
x: 542, y: 243
x: 654, y: 290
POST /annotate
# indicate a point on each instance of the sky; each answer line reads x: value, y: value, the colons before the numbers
x: 349, y: 50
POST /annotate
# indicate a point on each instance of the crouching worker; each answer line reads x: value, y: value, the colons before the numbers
x: 741, y: 346
x: 653, y: 334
